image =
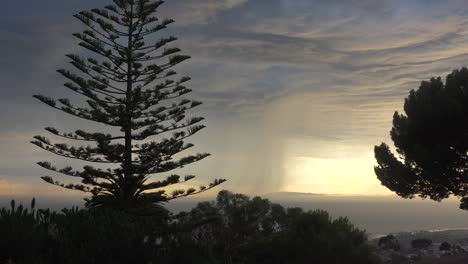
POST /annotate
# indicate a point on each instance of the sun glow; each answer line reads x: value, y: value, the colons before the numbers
x: 333, y: 175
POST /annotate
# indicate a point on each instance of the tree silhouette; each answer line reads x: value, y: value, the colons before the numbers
x: 232, y: 229
x: 432, y: 143
x: 255, y: 230
x: 421, y: 243
x: 445, y: 246
x: 127, y: 85
x: 389, y: 242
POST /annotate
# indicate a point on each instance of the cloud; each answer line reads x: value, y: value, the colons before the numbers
x: 187, y: 12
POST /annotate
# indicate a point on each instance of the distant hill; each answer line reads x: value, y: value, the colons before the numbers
x: 291, y: 195
x: 275, y: 195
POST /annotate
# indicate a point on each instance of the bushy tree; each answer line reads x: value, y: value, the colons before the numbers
x: 431, y: 142
x: 389, y: 242
x: 232, y: 229
x: 77, y: 235
x: 445, y: 246
x: 128, y: 84
x: 421, y: 243
x: 254, y: 230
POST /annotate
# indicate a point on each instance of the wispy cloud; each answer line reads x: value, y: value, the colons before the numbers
x: 198, y: 12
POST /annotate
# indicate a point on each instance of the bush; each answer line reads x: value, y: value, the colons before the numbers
x: 255, y: 230
x: 389, y: 242
x: 234, y: 229
x: 445, y: 246
x: 421, y: 243
x: 76, y: 236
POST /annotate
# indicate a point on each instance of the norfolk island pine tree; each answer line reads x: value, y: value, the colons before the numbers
x: 128, y: 84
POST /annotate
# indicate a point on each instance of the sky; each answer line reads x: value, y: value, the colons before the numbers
x: 296, y: 92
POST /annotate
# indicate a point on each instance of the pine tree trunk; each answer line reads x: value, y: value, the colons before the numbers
x: 128, y: 109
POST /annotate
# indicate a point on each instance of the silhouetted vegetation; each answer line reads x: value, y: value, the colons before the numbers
x: 430, y: 138
x: 445, y: 246
x: 389, y: 242
x: 232, y: 229
x: 128, y: 85
x: 421, y: 243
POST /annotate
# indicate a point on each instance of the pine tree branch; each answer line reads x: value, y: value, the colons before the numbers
x: 115, y: 76
x: 155, y: 153
x: 78, y: 113
x: 104, y: 82
x: 86, y: 68
x: 89, y: 36
x: 88, y: 93
x: 111, y: 18
x: 114, y: 9
x: 98, y: 106
x: 71, y: 186
x: 88, y: 175
x: 173, y: 61
x: 155, y: 93
x: 155, y: 98
x: 148, y: 76
x: 97, y: 84
x: 182, y: 105
x: 95, y: 114
x: 156, y: 129
x: 161, y: 43
x: 88, y: 18
x: 161, y: 26
x: 191, y: 191
x: 164, y: 167
x: 99, y: 46
x: 171, y: 180
x: 81, y: 153
x: 117, y: 61
x: 84, y: 136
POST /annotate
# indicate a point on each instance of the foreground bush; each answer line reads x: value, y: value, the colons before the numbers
x: 257, y: 231
x: 232, y: 229
x: 76, y: 236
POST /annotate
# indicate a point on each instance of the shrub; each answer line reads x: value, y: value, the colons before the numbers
x: 233, y: 229
x: 445, y: 246
x: 421, y: 243
x: 389, y: 242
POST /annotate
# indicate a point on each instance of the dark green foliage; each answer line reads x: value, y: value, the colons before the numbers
x: 389, y: 242
x: 245, y: 230
x: 421, y: 243
x: 19, y: 225
x: 445, y: 246
x: 128, y: 85
x: 312, y: 237
x: 78, y: 236
x: 234, y: 229
x: 430, y: 139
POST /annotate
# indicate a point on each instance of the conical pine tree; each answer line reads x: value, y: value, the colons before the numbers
x: 128, y: 85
